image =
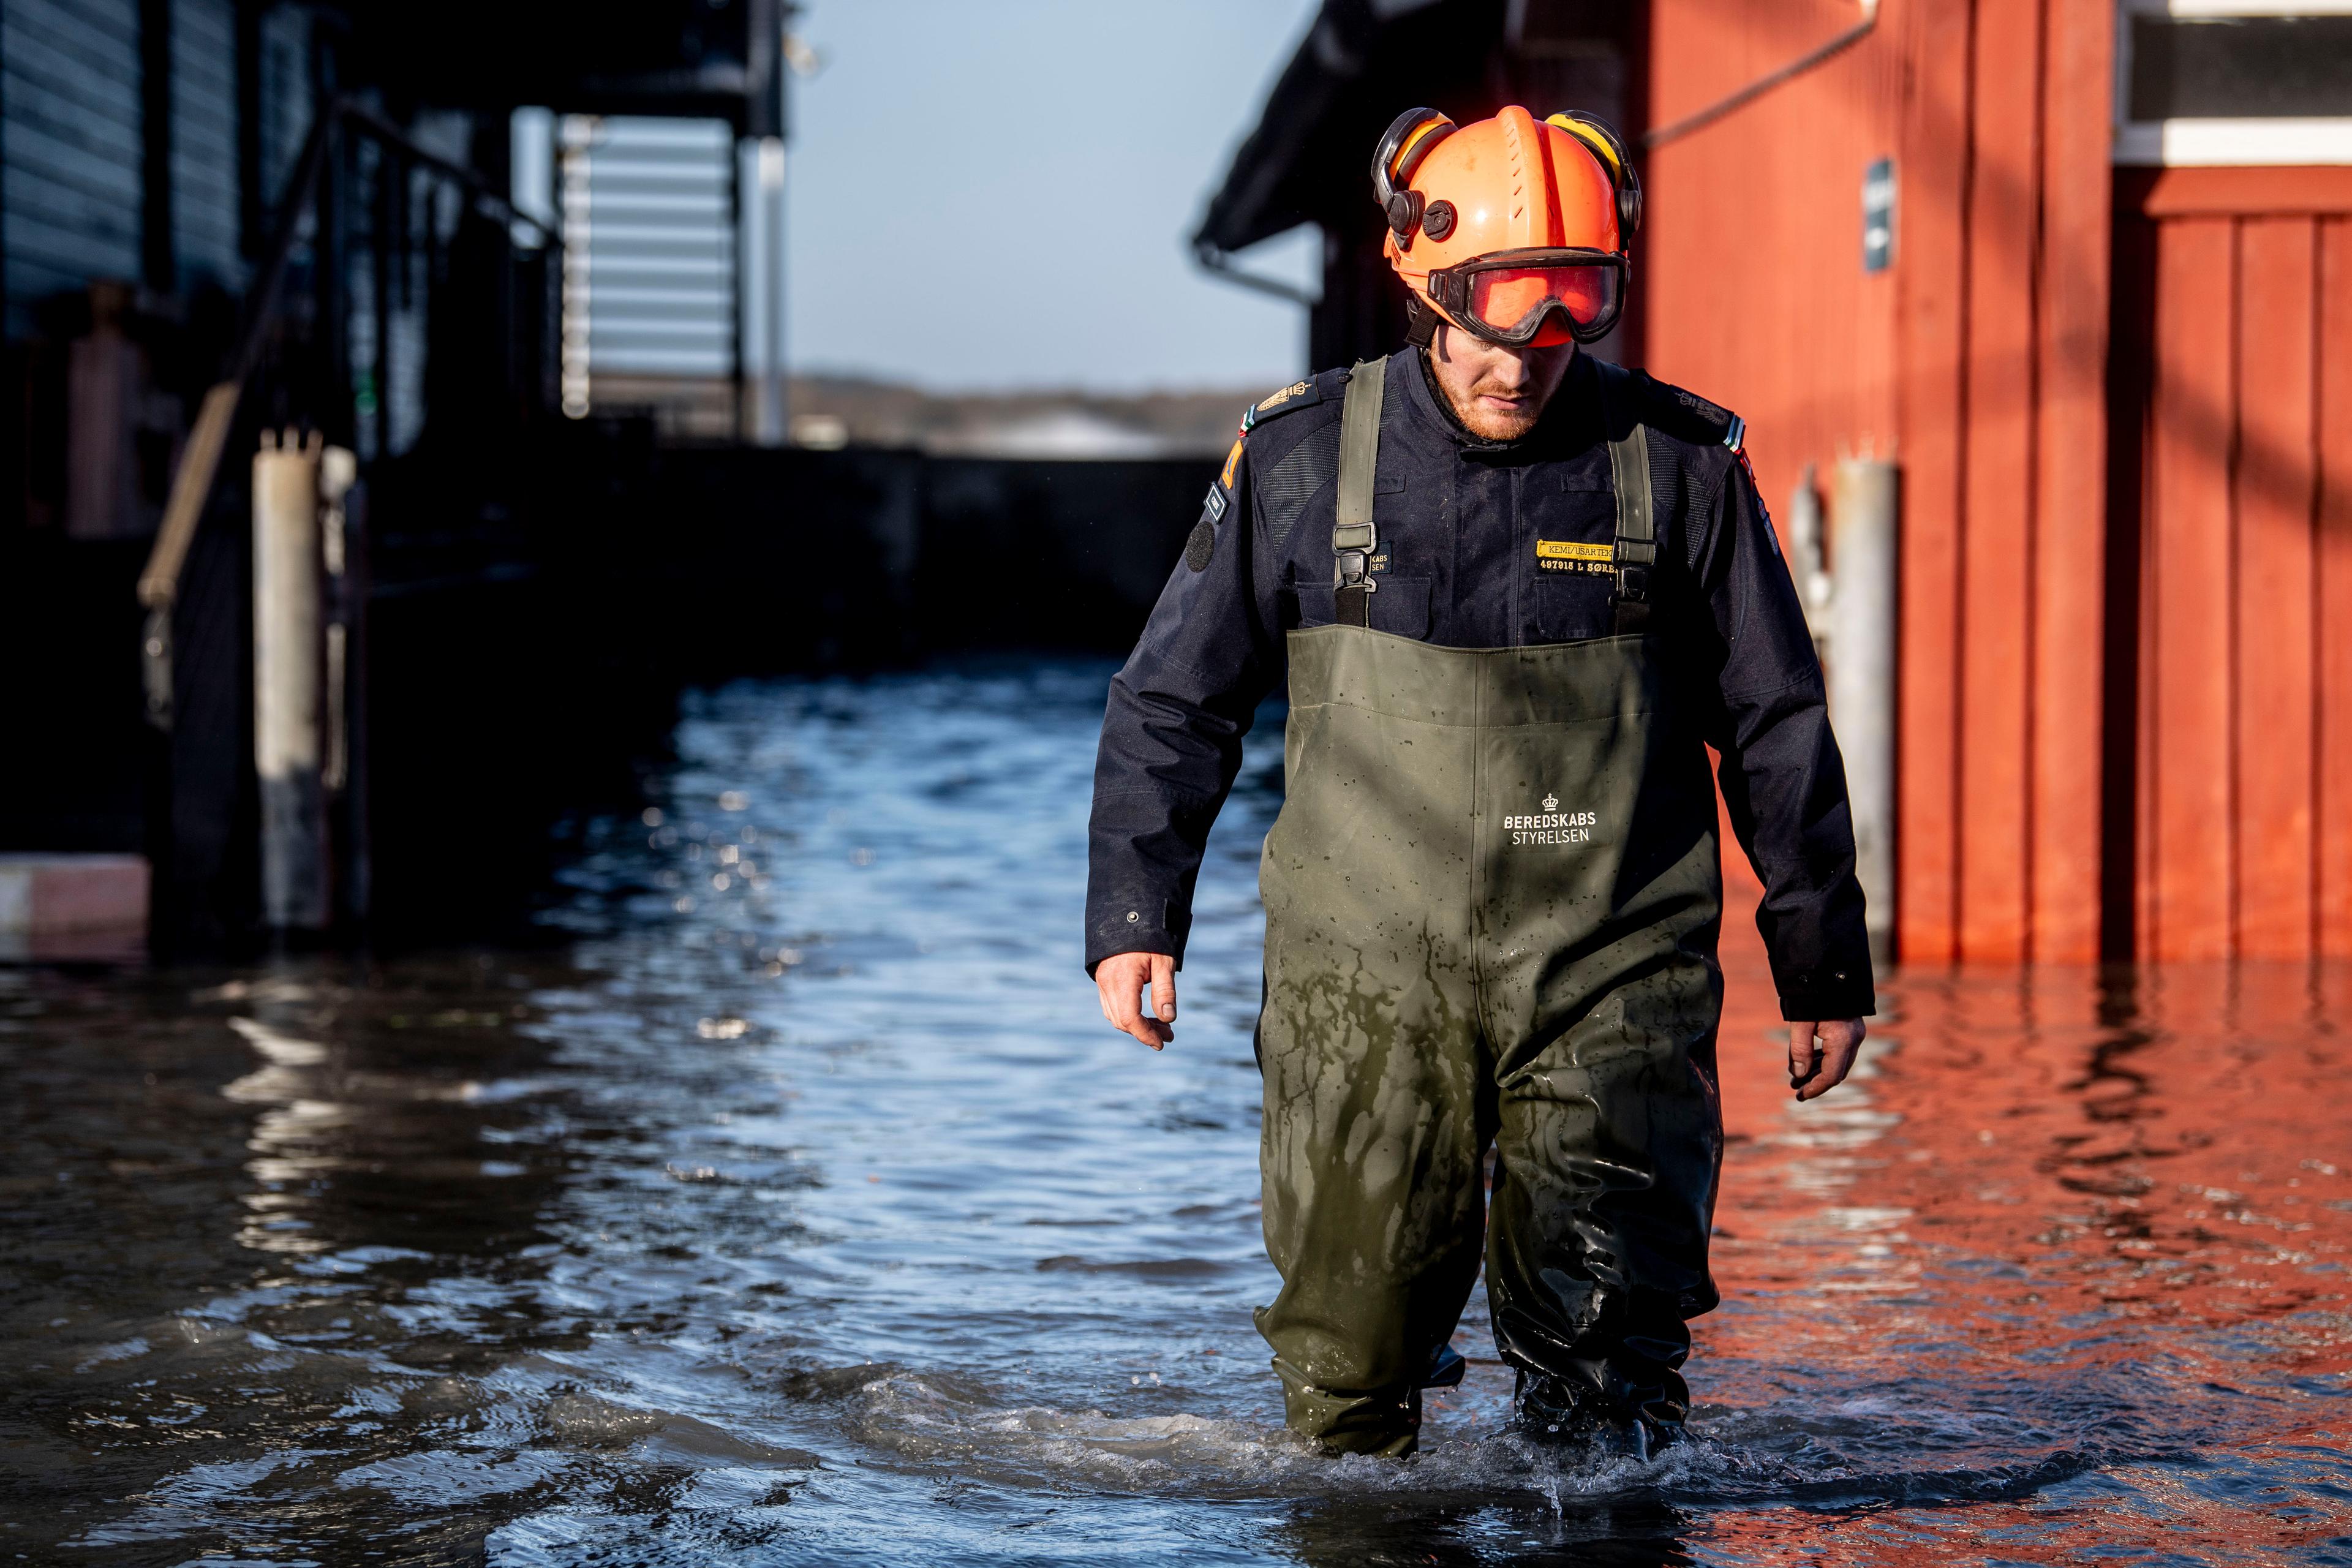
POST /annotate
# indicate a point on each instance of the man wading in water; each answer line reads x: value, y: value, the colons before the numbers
x: 1516, y: 590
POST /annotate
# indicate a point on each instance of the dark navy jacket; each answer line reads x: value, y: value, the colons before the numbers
x: 1458, y: 520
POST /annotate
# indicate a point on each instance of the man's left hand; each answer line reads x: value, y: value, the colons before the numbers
x: 1821, y: 1053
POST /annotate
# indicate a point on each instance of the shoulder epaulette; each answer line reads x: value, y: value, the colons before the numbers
x: 1688, y: 416
x: 1299, y: 395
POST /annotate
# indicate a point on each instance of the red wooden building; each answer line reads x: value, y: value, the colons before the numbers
x: 2109, y: 346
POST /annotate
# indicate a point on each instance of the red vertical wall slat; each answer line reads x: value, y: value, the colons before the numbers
x: 2071, y: 454
x: 1931, y: 322
x: 2276, y: 648
x: 2334, y: 591
x: 1997, y: 494
x: 2186, y: 842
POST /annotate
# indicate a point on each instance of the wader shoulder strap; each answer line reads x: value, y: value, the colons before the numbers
x: 1353, y: 536
x: 1636, y: 549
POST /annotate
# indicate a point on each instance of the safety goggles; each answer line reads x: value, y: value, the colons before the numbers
x: 1506, y: 296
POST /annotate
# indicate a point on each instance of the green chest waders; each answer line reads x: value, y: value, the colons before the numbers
x: 1492, y: 903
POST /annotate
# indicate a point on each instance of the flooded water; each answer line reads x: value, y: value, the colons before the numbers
x: 802, y: 1209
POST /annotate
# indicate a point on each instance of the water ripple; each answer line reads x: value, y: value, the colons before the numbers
x: 800, y: 1209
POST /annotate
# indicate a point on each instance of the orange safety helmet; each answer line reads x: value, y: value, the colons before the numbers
x: 1514, y: 230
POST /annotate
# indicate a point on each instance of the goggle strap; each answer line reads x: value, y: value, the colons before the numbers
x: 1420, y: 322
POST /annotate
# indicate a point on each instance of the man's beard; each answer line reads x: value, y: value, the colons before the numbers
x: 1490, y: 424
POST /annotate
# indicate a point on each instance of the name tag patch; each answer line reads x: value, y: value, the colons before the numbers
x: 1570, y: 555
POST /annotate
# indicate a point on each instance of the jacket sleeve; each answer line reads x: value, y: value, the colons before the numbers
x: 1783, y: 777
x: 1171, y: 738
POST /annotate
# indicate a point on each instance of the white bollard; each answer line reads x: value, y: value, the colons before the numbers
x: 288, y: 683
x: 1814, y: 586
x: 1864, y: 508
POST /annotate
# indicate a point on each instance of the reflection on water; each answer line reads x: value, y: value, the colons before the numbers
x: 804, y: 1211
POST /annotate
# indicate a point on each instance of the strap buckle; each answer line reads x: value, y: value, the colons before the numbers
x: 1635, y: 559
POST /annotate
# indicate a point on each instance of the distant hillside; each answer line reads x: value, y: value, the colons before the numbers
x: 1017, y: 424
x: 842, y: 410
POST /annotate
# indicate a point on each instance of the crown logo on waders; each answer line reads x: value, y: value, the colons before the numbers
x: 1551, y: 801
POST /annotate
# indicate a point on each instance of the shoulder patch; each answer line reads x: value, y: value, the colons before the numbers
x: 1201, y: 545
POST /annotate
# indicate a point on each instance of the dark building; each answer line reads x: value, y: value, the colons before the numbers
x: 223, y: 219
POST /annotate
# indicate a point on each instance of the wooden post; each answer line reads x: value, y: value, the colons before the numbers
x: 287, y: 682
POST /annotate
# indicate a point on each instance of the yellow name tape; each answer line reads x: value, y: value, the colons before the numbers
x: 1564, y: 549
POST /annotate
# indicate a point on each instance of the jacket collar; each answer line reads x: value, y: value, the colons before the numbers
x: 1570, y: 422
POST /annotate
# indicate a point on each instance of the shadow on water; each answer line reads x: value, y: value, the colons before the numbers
x: 796, y: 1208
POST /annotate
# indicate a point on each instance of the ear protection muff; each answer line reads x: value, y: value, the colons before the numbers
x: 1408, y: 140
x: 1610, y: 149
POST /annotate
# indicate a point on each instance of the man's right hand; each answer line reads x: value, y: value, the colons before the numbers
x: 1120, y: 980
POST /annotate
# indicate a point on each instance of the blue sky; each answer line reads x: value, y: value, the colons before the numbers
x: 987, y: 193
